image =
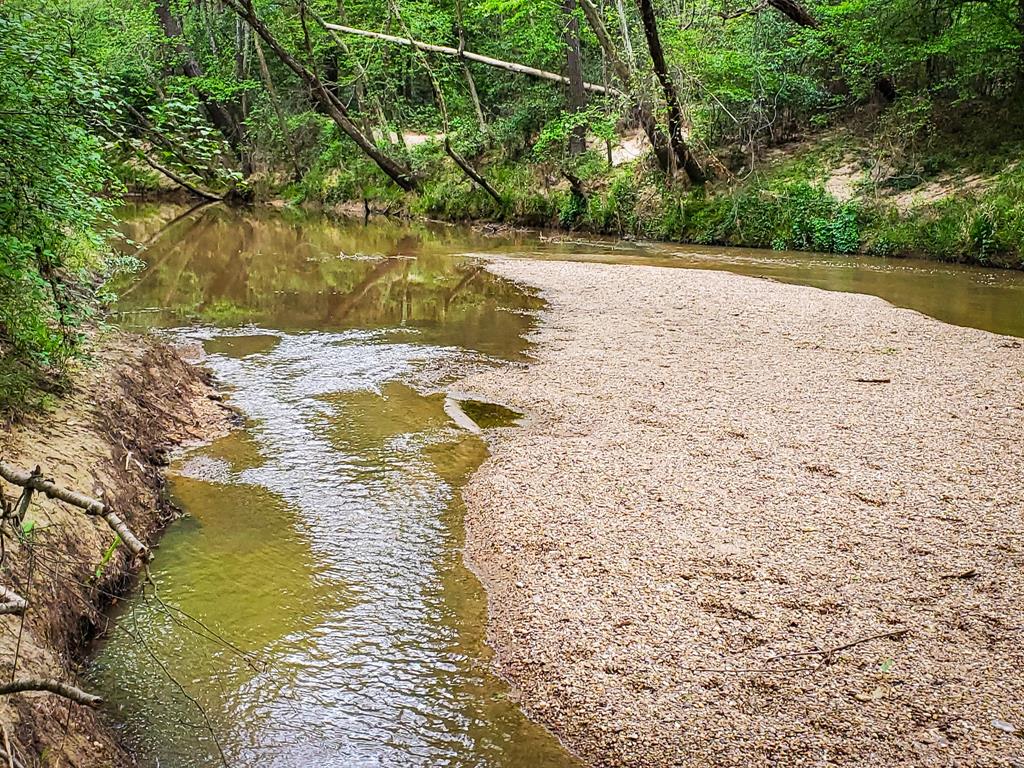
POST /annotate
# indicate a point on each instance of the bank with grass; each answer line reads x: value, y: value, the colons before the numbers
x: 958, y: 199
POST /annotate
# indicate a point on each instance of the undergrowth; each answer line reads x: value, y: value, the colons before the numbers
x: 784, y: 207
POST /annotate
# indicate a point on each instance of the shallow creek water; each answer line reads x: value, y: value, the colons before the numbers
x: 323, y: 539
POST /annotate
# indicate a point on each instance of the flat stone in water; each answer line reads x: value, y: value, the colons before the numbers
x: 490, y: 415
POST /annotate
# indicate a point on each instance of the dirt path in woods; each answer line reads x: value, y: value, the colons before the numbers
x: 750, y: 523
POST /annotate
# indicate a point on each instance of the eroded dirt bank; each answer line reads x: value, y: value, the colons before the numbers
x: 756, y: 524
x: 109, y: 438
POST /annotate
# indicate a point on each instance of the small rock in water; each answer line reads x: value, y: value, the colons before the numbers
x: 1004, y: 726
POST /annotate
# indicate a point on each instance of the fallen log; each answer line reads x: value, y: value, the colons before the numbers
x: 508, y: 66
x: 87, y: 504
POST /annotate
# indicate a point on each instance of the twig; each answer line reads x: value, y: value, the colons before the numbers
x: 181, y: 689
x: 7, y: 747
x: 828, y: 655
x: 49, y: 685
x: 970, y: 573
x: 744, y: 11
x: 756, y: 670
x: 21, y: 624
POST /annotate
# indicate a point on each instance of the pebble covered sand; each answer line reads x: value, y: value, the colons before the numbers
x: 750, y: 523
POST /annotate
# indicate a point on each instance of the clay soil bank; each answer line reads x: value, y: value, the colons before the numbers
x: 108, y: 438
x: 750, y: 523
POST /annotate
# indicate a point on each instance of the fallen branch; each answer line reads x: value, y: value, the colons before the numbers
x: 89, y: 505
x: 508, y: 66
x: 970, y: 573
x: 48, y: 685
x: 179, y: 180
x: 8, y: 752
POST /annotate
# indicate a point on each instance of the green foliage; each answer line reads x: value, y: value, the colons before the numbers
x: 54, y: 210
x: 984, y: 227
x: 108, y: 555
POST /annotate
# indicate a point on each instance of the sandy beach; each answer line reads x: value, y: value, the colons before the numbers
x: 749, y: 523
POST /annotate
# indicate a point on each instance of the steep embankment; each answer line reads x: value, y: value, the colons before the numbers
x: 108, y: 438
x: 756, y: 524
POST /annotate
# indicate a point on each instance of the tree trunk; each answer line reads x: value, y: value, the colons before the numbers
x: 681, y: 153
x: 574, y: 73
x: 1020, y: 48
x: 218, y: 113
x: 622, y: 70
x: 624, y: 73
x: 471, y: 83
x: 477, y: 107
x: 627, y: 43
x: 798, y: 14
x: 398, y: 173
x: 282, y: 122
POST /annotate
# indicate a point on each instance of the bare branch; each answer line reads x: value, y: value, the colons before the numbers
x: 48, y: 685
x: 508, y: 66
x: 89, y: 505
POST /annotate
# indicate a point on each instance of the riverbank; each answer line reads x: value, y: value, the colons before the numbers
x: 109, y: 437
x: 753, y: 523
x: 832, y: 191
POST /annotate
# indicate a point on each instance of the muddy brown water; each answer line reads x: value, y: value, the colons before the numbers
x: 321, y: 550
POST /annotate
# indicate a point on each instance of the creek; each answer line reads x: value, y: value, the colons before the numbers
x: 321, y: 543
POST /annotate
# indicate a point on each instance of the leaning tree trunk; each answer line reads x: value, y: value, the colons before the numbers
x: 398, y: 173
x: 574, y: 71
x: 682, y: 155
x: 282, y: 121
x: 796, y: 12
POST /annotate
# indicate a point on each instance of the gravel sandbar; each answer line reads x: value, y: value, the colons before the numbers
x: 750, y: 523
